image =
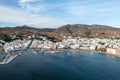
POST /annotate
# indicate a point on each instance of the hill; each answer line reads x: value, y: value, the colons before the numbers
x: 83, y: 30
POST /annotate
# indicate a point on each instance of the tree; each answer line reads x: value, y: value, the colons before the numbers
x: 7, y: 38
x: 87, y: 33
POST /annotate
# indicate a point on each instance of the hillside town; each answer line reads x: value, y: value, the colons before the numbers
x: 110, y: 46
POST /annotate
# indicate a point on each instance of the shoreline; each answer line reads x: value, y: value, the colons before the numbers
x: 55, y: 51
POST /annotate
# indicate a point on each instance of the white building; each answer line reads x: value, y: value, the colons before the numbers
x: 93, y: 47
x: 113, y: 51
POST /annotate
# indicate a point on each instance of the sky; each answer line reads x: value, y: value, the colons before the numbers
x: 56, y: 13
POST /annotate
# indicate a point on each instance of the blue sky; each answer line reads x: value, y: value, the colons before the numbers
x: 55, y: 13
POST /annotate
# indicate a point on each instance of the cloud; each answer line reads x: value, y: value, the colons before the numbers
x: 42, y: 6
x: 75, y: 11
x: 33, y: 6
x: 20, y: 17
x: 24, y: 1
x: 47, y: 13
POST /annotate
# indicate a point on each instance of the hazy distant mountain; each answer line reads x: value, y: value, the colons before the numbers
x: 82, y: 30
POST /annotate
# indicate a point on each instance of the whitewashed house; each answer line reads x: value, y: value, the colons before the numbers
x: 59, y: 45
x: 113, y: 51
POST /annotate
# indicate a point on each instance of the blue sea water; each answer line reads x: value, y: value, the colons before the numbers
x: 68, y: 65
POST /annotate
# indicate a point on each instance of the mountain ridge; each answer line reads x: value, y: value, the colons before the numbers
x: 82, y: 30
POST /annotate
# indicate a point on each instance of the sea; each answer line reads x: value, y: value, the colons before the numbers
x: 66, y: 65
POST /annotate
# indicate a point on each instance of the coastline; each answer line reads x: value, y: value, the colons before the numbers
x: 55, y: 51
x: 9, y: 57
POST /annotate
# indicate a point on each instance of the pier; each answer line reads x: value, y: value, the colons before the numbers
x: 13, y: 54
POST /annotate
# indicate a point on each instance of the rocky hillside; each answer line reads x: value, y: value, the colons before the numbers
x: 82, y: 30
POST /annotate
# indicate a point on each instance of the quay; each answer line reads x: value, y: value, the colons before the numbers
x: 14, y: 53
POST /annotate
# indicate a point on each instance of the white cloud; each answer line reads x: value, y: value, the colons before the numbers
x: 17, y: 16
x: 29, y: 6
x: 24, y: 1
x: 41, y: 6
x: 36, y: 12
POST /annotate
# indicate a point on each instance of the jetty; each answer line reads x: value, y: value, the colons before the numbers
x: 14, y: 53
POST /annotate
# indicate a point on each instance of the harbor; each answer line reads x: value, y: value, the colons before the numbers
x: 84, y: 65
x: 17, y: 47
